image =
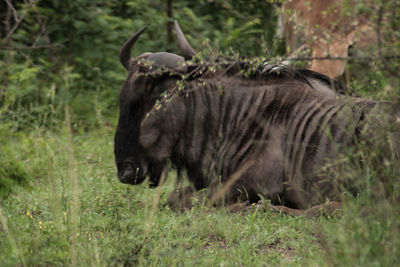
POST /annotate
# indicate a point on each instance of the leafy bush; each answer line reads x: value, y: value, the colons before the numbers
x: 12, y: 174
x: 78, y: 65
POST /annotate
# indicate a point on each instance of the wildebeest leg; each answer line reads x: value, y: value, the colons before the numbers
x: 181, y: 199
x: 326, y: 208
x: 239, y: 207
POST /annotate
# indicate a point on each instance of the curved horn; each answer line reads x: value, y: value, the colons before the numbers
x: 187, y: 51
x: 125, y: 52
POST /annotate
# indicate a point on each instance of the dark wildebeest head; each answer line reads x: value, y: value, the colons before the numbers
x: 137, y: 98
x: 260, y: 129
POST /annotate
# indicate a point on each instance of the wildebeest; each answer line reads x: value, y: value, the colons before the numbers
x: 247, y: 130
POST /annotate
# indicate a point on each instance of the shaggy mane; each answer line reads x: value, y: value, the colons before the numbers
x: 247, y: 69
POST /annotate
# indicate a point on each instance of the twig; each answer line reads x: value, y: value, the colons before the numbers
x: 18, y: 20
x: 11, y: 7
x: 345, y: 58
x: 29, y: 47
x: 42, y: 30
x: 28, y: 59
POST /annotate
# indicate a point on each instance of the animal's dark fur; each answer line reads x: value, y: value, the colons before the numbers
x: 213, y: 119
x: 242, y: 129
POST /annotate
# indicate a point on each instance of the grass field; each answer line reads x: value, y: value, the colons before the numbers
x: 61, y: 203
x: 76, y: 212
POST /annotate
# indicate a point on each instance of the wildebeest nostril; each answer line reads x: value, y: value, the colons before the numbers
x: 128, y: 166
x: 128, y: 174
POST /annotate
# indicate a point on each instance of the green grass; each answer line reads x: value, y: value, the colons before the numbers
x: 77, y: 212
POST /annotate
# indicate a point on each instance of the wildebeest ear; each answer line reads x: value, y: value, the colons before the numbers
x: 187, y: 51
x: 125, y: 52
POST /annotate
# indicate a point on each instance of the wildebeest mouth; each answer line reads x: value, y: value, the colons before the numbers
x: 129, y: 174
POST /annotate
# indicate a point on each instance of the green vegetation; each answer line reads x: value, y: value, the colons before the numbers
x: 119, y: 224
x: 77, y: 212
x: 60, y: 200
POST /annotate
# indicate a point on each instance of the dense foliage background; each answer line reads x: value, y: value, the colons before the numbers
x: 60, y: 78
x: 66, y: 52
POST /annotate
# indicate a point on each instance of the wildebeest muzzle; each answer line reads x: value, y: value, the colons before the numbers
x: 130, y: 174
